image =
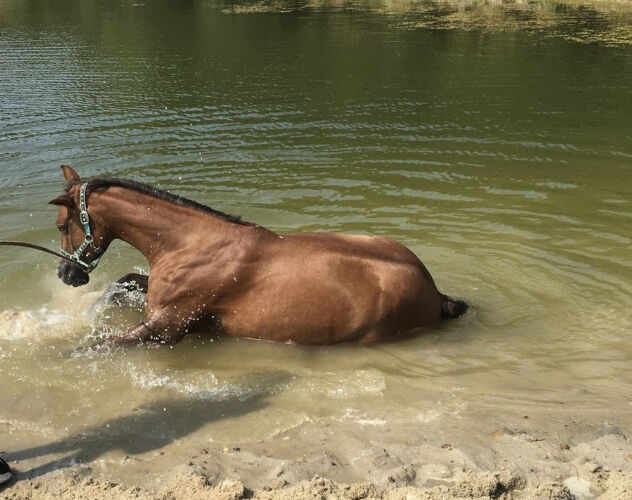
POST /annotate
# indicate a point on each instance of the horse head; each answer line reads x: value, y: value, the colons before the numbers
x: 83, y: 240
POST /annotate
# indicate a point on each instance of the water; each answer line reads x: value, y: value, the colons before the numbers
x: 499, y: 152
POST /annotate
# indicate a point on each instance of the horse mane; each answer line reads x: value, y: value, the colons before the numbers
x: 103, y: 183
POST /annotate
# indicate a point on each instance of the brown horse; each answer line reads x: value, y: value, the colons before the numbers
x: 206, y: 266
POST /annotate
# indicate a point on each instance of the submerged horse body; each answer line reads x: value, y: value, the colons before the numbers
x: 307, y: 288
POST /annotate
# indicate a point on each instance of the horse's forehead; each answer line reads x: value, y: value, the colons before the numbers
x: 62, y: 214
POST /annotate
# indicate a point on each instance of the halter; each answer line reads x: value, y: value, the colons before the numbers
x: 88, y: 240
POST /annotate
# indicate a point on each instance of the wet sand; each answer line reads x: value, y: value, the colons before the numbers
x: 588, y: 479
x: 560, y: 454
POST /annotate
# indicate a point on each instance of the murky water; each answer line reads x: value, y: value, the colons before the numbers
x: 501, y: 154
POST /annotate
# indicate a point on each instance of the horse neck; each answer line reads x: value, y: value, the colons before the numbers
x: 153, y: 226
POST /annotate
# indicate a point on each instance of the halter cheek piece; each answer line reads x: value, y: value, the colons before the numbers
x: 89, y: 239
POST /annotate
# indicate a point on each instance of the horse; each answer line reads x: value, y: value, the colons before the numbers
x: 243, y: 280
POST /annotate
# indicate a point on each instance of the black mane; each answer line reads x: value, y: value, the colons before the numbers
x: 103, y: 183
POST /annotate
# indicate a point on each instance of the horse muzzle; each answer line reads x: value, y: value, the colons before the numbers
x: 72, y: 274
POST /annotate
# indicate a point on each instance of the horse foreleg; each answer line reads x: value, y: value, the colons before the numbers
x: 136, y: 334
x: 162, y: 330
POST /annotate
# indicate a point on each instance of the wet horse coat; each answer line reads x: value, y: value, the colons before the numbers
x: 307, y: 288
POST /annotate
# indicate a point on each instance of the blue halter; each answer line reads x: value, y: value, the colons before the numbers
x: 88, y: 240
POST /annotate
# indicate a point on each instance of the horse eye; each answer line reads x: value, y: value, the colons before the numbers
x: 63, y: 228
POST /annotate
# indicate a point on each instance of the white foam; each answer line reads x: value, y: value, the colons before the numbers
x: 371, y: 421
x: 68, y: 311
x: 200, y: 384
x: 361, y: 418
x: 62, y: 315
x: 16, y: 325
x: 429, y: 416
x: 351, y: 385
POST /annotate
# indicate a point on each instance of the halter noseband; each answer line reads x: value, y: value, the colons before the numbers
x: 84, y: 218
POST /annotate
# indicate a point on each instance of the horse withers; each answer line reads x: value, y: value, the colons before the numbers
x: 210, y: 267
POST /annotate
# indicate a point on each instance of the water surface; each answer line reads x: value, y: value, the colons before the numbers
x: 500, y: 154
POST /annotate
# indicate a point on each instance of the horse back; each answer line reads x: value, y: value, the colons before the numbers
x: 321, y: 288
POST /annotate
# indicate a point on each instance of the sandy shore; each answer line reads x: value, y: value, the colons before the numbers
x: 611, y: 485
x: 486, y: 449
x: 533, y: 466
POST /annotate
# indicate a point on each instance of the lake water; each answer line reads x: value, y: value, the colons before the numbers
x: 495, y: 141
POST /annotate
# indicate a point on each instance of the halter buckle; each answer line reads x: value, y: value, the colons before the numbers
x: 84, y: 218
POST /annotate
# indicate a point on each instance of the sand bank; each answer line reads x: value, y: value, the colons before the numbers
x: 533, y: 467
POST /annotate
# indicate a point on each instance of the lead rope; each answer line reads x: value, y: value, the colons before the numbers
x: 36, y: 247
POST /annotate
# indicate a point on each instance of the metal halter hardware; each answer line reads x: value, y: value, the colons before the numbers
x: 84, y: 218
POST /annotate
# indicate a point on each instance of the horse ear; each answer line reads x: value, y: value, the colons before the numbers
x: 63, y: 200
x: 69, y: 174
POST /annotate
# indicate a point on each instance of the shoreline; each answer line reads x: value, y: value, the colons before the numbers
x: 550, y: 18
x: 608, y: 485
x: 519, y: 464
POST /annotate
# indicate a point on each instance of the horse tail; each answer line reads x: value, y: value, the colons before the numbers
x: 452, y: 308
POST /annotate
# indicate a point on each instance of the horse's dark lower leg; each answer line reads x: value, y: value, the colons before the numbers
x: 134, y: 282
x: 119, y: 293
